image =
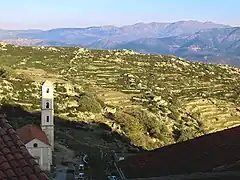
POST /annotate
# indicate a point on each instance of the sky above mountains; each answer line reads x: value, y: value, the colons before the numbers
x: 47, y: 14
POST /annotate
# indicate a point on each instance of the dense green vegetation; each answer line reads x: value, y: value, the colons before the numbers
x: 154, y: 100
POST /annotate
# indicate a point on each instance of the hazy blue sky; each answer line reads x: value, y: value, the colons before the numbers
x: 46, y: 14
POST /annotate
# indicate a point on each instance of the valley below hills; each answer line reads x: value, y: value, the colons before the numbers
x: 151, y: 100
x: 193, y: 40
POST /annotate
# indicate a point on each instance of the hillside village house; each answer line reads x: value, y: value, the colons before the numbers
x: 40, y: 142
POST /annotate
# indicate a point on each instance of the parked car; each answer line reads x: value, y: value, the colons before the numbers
x: 81, y: 167
x: 112, y: 177
x: 81, y: 175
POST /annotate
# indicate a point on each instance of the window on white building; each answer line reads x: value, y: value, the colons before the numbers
x: 47, y: 104
x: 35, y: 145
x: 47, y: 118
x: 47, y: 90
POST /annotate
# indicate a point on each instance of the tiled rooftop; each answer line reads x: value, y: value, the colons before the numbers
x: 29, y: 132
x: 15, y: 161
x: 202, y: 154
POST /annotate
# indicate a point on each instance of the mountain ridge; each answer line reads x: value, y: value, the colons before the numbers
x: 210, y: 44
x: 194, y: 40
x: 153, y: 27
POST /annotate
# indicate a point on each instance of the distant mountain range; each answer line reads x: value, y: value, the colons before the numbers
x: 218, y: 45
x: 193, y: 40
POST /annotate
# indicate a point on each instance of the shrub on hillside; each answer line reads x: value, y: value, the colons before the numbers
x: 186, y: 134
x: 88, y: 103
x: 3, y: 73
x: 131, y: 126
x: 152, y: 125
x: 182, y: 132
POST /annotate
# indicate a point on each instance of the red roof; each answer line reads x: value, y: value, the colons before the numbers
x: 29, y: 132
x: 201, y: 154
x: 15, y: 161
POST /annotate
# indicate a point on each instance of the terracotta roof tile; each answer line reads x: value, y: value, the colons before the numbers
x: 13, y: 164
x: 18, y: 156
x: 6, y: 138
x: 9, y: 157
x: 16, y: 163
x: 14, y: 178
x: 2, y: 159
x: 5, y: 150
x: 32, y: 162
x: 33, y: 177
x: 5, y: 166
x: 30, y: 132
x: 36, y: 169
x: 23, y: 178
x: 28, y: 170
x: 2, y: 175
x: 19, y: 172
x: 197, y: 155
x: 10, y: 144
x: 14, y: 150
x: 10, y: 173
x: 42, y: 176
x: 23, y: 163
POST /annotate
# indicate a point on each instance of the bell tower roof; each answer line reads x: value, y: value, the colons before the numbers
x: 47, y: 83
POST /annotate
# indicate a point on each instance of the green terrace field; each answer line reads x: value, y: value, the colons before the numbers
x: 152, y: 99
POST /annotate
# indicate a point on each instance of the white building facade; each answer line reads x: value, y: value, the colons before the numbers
x: 40, y: 142
x: 41, y: 152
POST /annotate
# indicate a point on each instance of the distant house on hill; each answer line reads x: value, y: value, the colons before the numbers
x: 208, y: 153
x: 15, y: 160
x: 40, y: 141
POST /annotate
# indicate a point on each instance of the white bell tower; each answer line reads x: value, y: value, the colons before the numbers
x: 47, y: 114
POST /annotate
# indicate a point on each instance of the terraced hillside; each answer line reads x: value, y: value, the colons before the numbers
x: 152, y: 99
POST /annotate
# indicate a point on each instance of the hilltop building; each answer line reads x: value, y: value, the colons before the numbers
x: 40, y: 142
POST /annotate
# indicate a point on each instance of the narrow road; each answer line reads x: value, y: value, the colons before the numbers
x: 61, y: 174
x: 97, y: 166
